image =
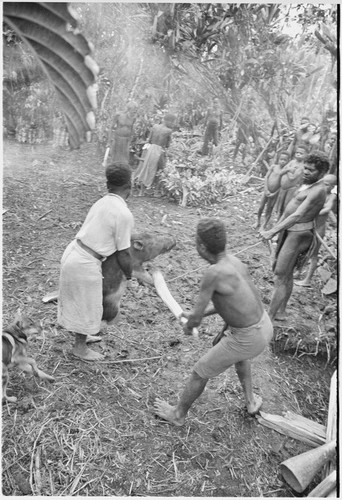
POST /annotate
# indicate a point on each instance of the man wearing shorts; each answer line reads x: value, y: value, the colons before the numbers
x: 106, y: 229
x: 228, y: 285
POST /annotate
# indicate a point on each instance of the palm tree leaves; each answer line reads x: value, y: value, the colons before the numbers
x: 50, y: 30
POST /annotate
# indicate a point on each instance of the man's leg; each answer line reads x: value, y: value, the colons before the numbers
x: 314, y: 259
x: 311, y: 271
x: 269, y: 209
x: 283, y: 286
x: 260, y: 210
x: 296, y: 242
x: 176, y: 414
x: 244, y: 372
x: 81, y: 350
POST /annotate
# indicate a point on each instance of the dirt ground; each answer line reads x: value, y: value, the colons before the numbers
x: 93, y: 432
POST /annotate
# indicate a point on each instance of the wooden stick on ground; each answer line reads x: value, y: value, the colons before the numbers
x: 331, y: 421
x: 295, y: 426
x: 325, y: 487
x: 325, y: 246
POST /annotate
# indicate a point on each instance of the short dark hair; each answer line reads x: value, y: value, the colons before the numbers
x: 212, y: 233
x: 118, y: 174
x: 301, y: 145
x: 320, y: 160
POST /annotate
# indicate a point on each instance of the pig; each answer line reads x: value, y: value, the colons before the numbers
x: 144, y: 247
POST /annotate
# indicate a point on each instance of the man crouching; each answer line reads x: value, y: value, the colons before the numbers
x: 235, y: 298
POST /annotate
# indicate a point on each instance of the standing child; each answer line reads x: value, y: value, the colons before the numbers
x: 271, y: 189
x: 291, y: 179
x: 228, y: 284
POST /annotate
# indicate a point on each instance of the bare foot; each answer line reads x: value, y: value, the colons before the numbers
x: 91, y: 339
x: 256, y: 225
x: 303, y: 283
x: 167, y: 412
x: 281, y: 317
x: 254, y: 407
x: 87, y: 354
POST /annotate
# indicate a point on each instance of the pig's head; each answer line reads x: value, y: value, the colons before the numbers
x: 147, y: 246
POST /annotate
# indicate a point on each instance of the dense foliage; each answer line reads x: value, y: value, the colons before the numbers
x: 177, y: 56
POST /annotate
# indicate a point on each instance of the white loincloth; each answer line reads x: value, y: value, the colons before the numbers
x: 80, y: 291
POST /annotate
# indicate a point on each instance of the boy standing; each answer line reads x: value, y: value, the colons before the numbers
x: 271, y: 189
x: 228, y: 284
x: 291, y: 179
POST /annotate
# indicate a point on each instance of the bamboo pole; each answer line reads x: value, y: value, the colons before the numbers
x: 325, y: 246
x: 331, y: 434
x: 325, y: 487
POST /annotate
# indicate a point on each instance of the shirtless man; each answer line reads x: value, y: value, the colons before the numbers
x: 296, y: 228
x: 330, y: 204
x: 228, y: 284
x: 292, y: 178
x: 213, y: 124
x: 271, y: 189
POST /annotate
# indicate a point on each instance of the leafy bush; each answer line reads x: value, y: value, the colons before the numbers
x: 194, y: 180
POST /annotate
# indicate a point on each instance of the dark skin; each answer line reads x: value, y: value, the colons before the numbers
x: 330, y: 204
x: 304, y: 207
x: 228, y: 284
x: 272, y: 185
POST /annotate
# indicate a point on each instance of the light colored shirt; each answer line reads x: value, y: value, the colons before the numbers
x: 108, y: 226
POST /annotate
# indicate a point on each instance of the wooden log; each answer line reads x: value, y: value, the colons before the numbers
x: 300, y: 470
x: 324, y: 488
x: 295, y: 426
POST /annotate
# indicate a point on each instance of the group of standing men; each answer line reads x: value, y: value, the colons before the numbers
x: 299, y: 191
x: 154, y: 154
